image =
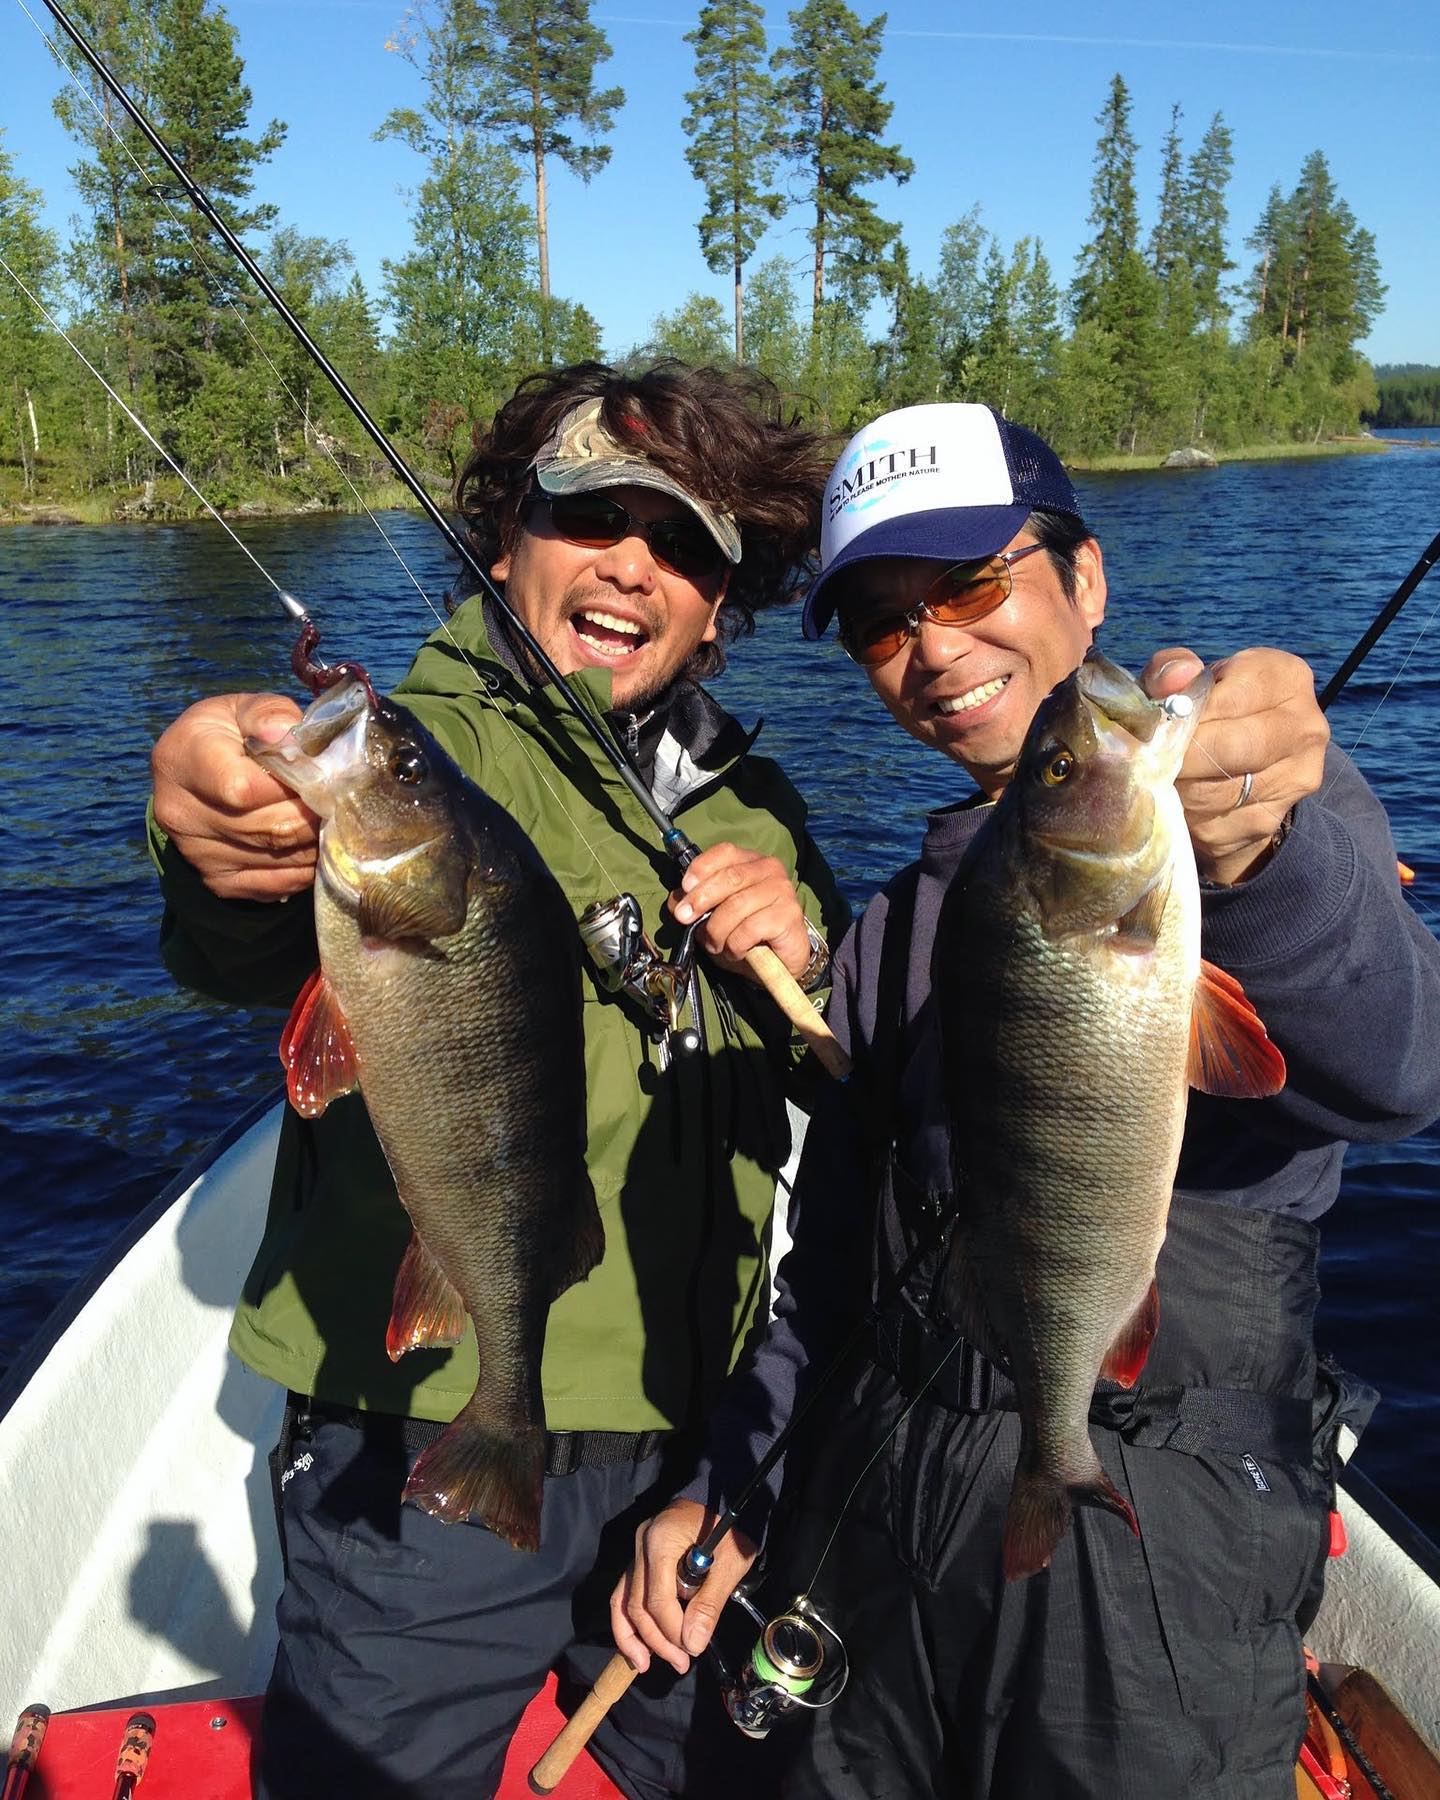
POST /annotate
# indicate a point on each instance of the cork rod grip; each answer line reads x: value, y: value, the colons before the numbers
x: 552, y: 1767
x: 785, y: 991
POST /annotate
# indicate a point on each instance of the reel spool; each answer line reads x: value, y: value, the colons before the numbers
x: 797, y: 1661
x: 613, y: 933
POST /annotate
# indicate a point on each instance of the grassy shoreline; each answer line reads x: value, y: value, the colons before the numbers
x: 1155, y: 459
x: 174, y: 505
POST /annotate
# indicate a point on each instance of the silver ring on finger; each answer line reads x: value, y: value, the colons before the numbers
x: 1247, y: 781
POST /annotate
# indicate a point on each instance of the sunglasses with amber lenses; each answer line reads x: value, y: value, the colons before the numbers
x: 682, y: 545
x: 957, y: 596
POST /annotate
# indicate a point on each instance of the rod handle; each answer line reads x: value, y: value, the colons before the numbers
x: 553, y: 1766
x: 785, y: 991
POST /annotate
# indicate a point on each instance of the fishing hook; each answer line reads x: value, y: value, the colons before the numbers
x: 672, y: 836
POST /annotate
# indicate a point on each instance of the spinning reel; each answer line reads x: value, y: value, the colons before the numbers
x: 613, y: 932
x: 798, y: 1661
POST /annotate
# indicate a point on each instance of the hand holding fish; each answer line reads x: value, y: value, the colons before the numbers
x: 646, y: 1613
x: 1259, y: 748
x: 750, y: 901
x: 247, y: 836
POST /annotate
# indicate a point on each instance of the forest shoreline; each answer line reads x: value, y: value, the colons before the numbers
x: 176, y: 508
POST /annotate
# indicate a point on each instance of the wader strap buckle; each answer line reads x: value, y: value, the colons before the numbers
x: 1190, y: 1419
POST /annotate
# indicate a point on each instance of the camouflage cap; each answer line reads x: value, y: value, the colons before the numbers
x: 581, y: 456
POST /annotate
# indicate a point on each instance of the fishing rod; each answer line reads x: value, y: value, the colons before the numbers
x: 763, y: 963
x: 697, y: 1561
x: 1381, y: 623
x: 676, y: 843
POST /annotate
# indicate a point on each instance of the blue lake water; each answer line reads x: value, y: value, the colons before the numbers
x: 111, y: 1079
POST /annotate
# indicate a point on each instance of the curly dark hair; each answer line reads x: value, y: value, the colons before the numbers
x: 726, y: 437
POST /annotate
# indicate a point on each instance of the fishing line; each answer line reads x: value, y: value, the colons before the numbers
x: 1419, y: 906
x: 870, y: 1460
x: 210, y: 268
x: 672, y: 837
x: 1394, y: 681
x: 482, y: 690
x: 287, y: 600
x: 146, y: 433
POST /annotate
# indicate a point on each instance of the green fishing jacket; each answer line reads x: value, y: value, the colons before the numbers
x: 683, y: 1160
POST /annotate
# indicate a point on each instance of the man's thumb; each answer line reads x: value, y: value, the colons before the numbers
x: 266, y: 717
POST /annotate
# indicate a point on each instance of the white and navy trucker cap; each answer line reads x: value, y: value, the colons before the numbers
x: 951, y: 480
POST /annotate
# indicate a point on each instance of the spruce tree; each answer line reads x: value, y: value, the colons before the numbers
x: 910, y: 370
x: 1094, y: 294
x: 537, y: 59
x: 1168, y: 242
x: 997, y: 353
x: 732, y: 124
x: 1207, y: 222
x: 836, y: 114
x: 1273, y: 242
x: 1039, y: 340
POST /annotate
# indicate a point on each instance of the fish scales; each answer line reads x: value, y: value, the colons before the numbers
x: 450, y: 992
x: 1065, y: 1050
x: 487, y: 1079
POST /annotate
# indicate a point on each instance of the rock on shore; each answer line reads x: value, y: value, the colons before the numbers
x: 1190, y: 458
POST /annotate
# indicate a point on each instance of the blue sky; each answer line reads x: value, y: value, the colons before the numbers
x: 1005, y: 118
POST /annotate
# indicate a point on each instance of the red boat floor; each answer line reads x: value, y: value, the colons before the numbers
x: 196, y: 1758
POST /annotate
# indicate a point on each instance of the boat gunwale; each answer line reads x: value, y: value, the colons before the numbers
x: 84, y: 1289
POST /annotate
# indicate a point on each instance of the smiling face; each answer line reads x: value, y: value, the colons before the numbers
x: 972, y: 690
x: 615, y: 608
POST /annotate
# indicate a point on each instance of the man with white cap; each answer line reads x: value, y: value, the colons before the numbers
x: 637, y: 521
x: 966, y: 584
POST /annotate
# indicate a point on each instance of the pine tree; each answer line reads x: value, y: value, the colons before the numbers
x: 836, y: 114
x: 538, y: 60
x: 201, y: 107
x: 732, y: 125
x: 112, y: 264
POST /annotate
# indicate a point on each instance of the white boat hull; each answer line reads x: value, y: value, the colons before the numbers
x: 137, y: 1541
x: 137, y: 1534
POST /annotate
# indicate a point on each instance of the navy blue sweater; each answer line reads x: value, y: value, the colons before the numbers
x: 1344, y: 974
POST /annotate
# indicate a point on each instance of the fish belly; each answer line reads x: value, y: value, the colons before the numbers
x: 1067, y: 1076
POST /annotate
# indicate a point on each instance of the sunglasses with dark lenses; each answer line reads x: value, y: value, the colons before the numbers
x: 961, y: 595
x: 681, y: 545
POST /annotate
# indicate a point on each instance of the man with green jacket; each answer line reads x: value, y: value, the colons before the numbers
x: 636, y: 523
